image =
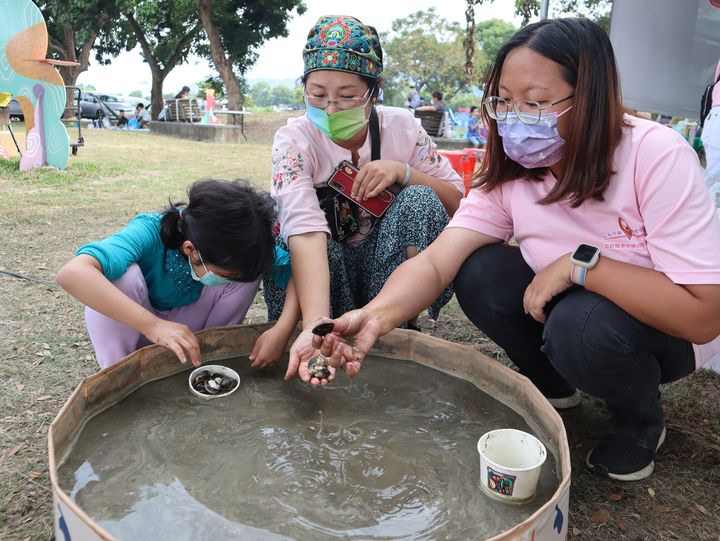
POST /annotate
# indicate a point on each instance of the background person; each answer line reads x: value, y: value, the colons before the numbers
x: 165, y: 276
x: 711, y: 133
x: 343, y: 64
x: 437, y: 103
x: 142, y: 115
x: 474, y: 124
x: 565, y: 167
x: 413, y: 97
x: 183, y: 94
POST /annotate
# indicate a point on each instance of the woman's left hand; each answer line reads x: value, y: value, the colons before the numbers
x: 375, y: 176
x: 301, y: 353
x: 548, y: 283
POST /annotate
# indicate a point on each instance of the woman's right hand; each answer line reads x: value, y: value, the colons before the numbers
x: 269, y: 347
x: 360, y: 323
x: 177, y: 337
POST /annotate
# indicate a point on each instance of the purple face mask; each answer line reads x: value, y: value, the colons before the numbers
x: 532, y: 145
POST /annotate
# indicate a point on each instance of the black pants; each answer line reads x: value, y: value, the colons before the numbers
x: 587, y: 342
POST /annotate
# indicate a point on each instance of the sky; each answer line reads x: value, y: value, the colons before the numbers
x: 281, y: 58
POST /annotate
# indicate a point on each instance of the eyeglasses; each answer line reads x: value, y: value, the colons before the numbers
x: 527, y: 111
x: 341, y: 103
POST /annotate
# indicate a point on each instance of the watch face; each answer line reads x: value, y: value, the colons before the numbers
x: 585, y: 253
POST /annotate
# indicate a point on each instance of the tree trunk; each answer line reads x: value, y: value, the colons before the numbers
x: 221, y: 61
x: 156, y: 93
x: 159, y: 73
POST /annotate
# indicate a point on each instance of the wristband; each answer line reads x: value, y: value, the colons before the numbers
x: 577, y: 275
x: 406, y: 179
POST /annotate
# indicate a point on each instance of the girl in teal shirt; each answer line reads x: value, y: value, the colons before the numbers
x: 165, y: 276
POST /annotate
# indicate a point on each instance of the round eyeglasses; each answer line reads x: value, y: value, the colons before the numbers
x: 341, y: 103
x: 527, y: 111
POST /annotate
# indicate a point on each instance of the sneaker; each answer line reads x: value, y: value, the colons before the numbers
x: 627, y: 454
x: 566, y: 402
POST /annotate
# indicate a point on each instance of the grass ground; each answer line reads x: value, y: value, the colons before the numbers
x: 45, y: 215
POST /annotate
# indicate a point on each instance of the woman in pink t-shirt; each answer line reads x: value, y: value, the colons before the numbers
x: 617, y: 275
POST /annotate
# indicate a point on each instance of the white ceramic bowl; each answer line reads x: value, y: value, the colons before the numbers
x: 214, y: 369
x: 510, y: 463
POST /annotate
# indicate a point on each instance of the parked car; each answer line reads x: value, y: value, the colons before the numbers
x: 116, y: 103
x: 15, y: 111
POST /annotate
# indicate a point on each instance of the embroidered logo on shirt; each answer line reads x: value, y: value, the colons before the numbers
x: 625, y: 236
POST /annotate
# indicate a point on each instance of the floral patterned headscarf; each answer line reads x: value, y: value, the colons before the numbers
x: 343, y: 43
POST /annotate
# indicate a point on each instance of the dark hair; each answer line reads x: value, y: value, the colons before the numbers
x: 229, y: 223
x: 185, y: 89
x: 587, y: 61
x: 473, y: 109
x: 437, y: 95
x: 374, y: 84
x: 140, y: 106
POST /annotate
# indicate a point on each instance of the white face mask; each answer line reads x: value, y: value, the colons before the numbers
x: 209, y: 278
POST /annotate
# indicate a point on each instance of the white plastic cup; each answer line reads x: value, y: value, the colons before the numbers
x: 510, y: 464
x: 215, y: 369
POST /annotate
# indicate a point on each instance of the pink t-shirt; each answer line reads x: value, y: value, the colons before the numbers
x: 303, y: 159
x: 656, y: 214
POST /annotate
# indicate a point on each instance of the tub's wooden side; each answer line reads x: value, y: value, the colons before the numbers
x: 111, y: 385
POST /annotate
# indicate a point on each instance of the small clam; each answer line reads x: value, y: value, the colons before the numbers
x: 318, y: 367
x: 212, y: 386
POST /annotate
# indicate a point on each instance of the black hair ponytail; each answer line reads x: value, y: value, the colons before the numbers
x: 229, y: 222
x: 171, y: 226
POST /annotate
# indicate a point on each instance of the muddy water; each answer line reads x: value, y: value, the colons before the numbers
x: 392, y: 458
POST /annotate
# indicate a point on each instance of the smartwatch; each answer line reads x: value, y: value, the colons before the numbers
x: 583, y: 258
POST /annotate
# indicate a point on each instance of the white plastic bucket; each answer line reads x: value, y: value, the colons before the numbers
x: 510, y: 464
x: 216, y: 369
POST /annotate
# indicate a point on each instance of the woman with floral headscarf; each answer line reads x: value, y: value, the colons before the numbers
x: 343, y: 65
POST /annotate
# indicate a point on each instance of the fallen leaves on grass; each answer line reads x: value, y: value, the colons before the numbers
x: 576, y: 531
x: 651, y: 492
x: 43, y: 397
x: 12, y: 451
x: 19, y: 386
x: 615, y: 497
x: 600, y: 516
x: 36, y: 474
x: 702, y: 509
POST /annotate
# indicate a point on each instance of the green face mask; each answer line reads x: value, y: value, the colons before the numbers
x: 339, y: 126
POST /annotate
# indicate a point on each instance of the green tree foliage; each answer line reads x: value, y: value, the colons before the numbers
x: 166, y: 30
x: 282, y: 95
x: 213, y: 82
x: 426, y: 49
x: 261, y: 93
x: 490, y: 35
x: 235, y: 29
x: 73, y: 30
x: 135, y: 94
x: 596, y: 10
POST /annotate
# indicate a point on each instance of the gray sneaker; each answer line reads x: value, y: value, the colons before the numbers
x: 566, y: 402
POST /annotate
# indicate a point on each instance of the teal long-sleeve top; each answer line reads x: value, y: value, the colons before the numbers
x: 166, y: 271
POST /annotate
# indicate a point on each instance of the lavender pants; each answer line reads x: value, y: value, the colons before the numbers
x: 216, y: 307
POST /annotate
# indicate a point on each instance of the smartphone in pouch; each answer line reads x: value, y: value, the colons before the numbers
x: 342, y: 181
